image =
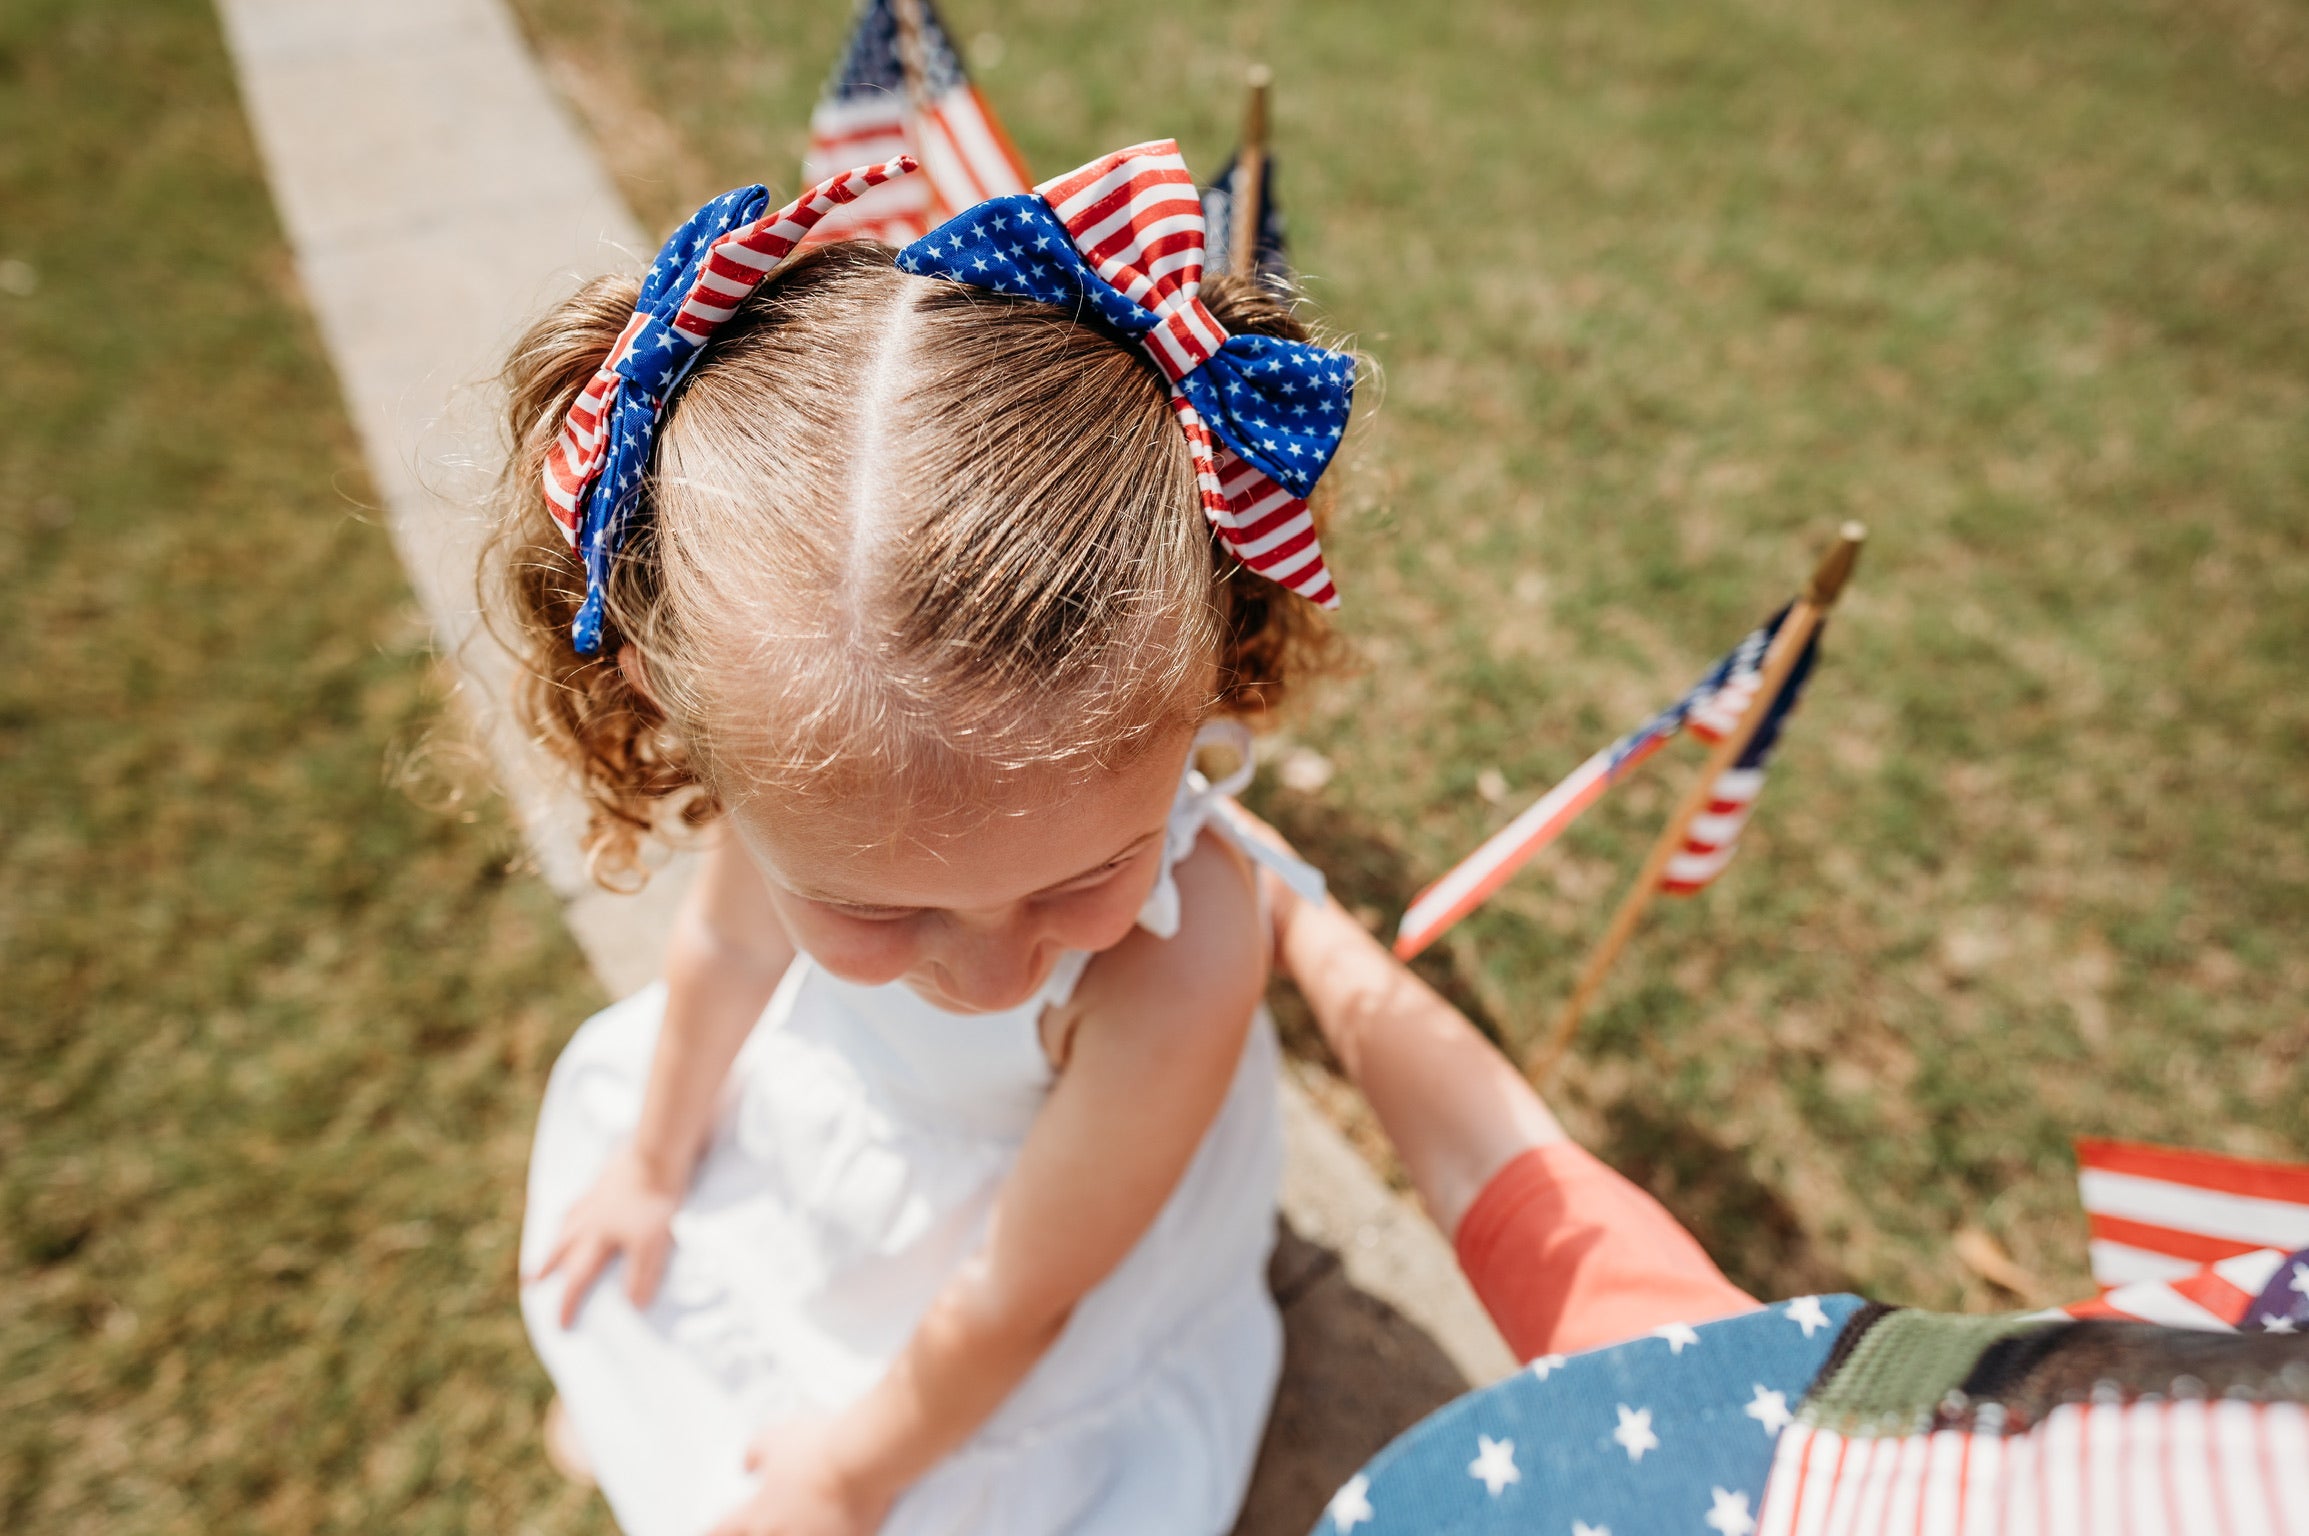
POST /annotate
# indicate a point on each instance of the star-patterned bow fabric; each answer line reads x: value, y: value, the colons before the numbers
x: 1671, y: 1434
x: 595, y: 470
x: 1123, y: 237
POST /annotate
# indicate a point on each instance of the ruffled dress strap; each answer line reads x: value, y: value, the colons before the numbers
x: 1202, y: 803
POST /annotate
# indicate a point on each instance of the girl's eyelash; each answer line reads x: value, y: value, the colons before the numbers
x: 1079, y: 882
x: 1092, y: 877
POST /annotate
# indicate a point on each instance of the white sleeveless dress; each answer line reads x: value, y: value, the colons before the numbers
x: 862, y: 1138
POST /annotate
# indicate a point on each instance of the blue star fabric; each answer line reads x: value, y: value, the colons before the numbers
x: 654, y: 363
x: 1669, y: 1433
x: 1280, y: 405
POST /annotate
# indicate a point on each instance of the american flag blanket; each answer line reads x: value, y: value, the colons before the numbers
x: 867, y: 115
x: 1827, y: 1416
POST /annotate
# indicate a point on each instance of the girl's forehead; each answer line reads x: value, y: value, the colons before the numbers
x: 878, y: 849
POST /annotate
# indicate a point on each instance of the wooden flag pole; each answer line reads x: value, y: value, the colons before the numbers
x: 910, y: 59
x: 1803, y: 620
x: 1250, y: 175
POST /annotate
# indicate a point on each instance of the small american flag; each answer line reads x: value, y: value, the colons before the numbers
x: 2158, y: 1213
x: 1711, y: 709
x: 1714, y: 835
x: 867, y: 116
x: 1273, y: 264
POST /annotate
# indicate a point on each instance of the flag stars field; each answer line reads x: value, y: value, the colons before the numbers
x: 1351, y: 1505
x: 1635, y: 1432
x: 1729, y: 1514
x: 1677, y: 1336
x: 1806, y: 1313
x: 1494, y: 1464
x: 1770, y: 1409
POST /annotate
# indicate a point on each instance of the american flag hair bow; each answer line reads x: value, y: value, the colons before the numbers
x: 1262, y: 416
x: 726, y: 250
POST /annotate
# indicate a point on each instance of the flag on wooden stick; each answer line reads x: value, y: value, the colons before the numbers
x: 901, y: 89
x: 1272, y: 260
x: 1711, y: 708
x: 1714, y: 835
x: 1243, y: 226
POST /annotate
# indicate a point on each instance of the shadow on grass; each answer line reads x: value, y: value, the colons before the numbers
x: 1356, y: 1373
x: 1753, y: 1235
x: 1743, y: 1222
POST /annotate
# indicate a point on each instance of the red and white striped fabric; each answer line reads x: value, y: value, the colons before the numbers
x: 1470, y: 882
x: 1136, y: 217
x: 1714, y: 835
x: 2160, y: 1213
x: 867, y: 113
x: 734, y: 265
x: 1268, y: 528
x: 2156, y: 1467
x: 2213, y: 1299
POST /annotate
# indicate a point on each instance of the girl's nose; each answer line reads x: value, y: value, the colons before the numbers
x: 993, y: 966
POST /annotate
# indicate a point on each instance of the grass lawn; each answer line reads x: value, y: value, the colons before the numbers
x: 1661, y: 292
x: 272, y: 1034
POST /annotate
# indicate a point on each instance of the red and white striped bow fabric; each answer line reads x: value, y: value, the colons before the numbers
x: 1261, y: 415
x: 705, y: 271
x: 721, y: 254
x: 1137, y: 219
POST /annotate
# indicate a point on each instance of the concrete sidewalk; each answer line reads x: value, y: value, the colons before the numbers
x: 436, y: 195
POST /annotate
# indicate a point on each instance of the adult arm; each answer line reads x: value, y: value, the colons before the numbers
x: 1455, y: 1109
x: 1564, y: 1253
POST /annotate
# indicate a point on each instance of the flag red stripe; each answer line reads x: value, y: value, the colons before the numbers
x: 822, y: 143
x: 2288, y: 1182
x: 974, y: 189
x: 2192, y: 1246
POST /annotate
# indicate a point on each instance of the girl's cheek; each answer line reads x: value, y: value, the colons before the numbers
x: 1103, y: 918
x: 866, y: 953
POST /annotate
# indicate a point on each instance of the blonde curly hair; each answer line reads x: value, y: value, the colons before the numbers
x: 895, y: 526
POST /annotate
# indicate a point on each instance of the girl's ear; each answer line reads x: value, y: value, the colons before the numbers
x: 636, y: 674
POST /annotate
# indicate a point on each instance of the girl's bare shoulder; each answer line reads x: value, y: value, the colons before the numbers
x: 1211, y: 972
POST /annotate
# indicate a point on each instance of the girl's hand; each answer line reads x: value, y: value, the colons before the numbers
x: 629, y: 1210
x: 802, y: 1492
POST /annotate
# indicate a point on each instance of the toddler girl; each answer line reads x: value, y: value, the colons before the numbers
x: 937, y: 1176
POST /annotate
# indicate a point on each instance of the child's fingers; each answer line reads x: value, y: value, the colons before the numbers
x: 585, y: 1266
x: 553, y: 1257
x: 644, y: 1268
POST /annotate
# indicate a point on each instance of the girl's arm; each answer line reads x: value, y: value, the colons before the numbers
x: 723, y: 961
x: 1162, y: 1032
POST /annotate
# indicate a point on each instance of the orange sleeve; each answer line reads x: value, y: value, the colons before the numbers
x: 1567, y: 1255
